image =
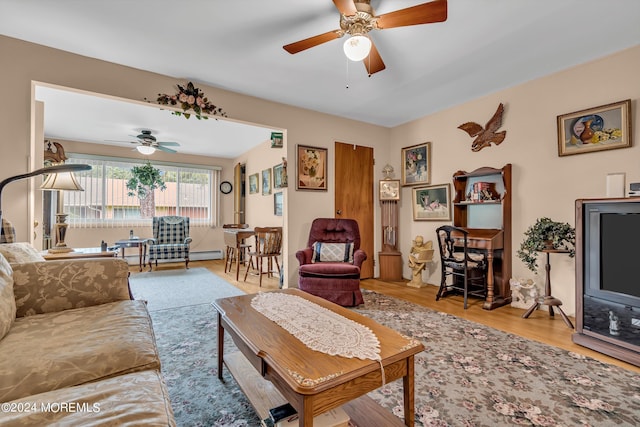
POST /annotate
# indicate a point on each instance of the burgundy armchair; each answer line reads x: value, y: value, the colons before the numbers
x: 330, y: 264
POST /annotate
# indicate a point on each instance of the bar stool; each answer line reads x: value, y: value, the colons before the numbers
x: 234, y: 253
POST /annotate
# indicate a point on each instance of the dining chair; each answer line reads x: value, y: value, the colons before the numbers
x: 237, y: 253
x: 467, y: 269
x: 268, y: 245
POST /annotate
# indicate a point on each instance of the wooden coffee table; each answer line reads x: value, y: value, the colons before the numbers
x: 311, y: 381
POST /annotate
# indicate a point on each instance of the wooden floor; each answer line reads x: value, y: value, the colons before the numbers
x: 539, y: 326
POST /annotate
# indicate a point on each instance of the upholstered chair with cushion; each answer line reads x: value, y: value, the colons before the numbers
x: 170, y: 239
x: 330, y: 264
x: 8, y: 232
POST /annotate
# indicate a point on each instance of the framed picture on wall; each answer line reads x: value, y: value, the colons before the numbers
x: 254, y: 181
x: 432, y: 203
x: 596, y: 129
x: 311, y: 168
x: 266, y: 182
x: 279, y: 180
x: 416, y: 164
x: 278, y: 202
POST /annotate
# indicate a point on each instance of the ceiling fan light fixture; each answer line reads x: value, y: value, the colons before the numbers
x: 147, y: 150
x: 357, y: 47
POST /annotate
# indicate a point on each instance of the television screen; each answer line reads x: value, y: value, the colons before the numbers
x: 619, y: 255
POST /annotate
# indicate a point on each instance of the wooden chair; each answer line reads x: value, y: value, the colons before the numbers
x: 269, y: 246
x: 235, y: 253
x: 468, y: 269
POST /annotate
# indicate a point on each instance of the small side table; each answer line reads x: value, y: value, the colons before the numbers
x: 547, y: 299
x: 141, y: 244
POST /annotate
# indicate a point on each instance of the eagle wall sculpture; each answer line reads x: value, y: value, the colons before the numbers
x: 487, y: 135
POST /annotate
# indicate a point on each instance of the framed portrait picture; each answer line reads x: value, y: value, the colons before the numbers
x: 278, y: 201
x: 416, y: 164
x: 254, y: 181
x: 600, y: 128
x: 279, y: 180
x: 311, y: 168
x: 389, y: 189
x: 266, y: 182
x: 432, y: 203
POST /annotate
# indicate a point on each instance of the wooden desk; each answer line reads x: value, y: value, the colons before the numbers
x: 491, y: 240
x: 283, y: 360
x: 80, y: 253
x: 234, y: 237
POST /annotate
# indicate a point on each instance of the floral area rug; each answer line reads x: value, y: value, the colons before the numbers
x: 469, y: 374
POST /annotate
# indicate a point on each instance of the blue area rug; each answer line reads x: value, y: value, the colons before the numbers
x: 179, y: 288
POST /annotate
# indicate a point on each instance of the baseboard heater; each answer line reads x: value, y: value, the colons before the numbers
x: 193, y: 256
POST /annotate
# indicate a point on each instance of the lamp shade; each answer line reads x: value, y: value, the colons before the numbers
x: 357, y: 47
x: 146, y: 149
x: 61, y: 181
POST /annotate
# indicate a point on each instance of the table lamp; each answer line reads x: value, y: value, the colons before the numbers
x: 51, y: 171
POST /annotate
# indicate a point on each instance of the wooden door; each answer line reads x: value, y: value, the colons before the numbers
x: 238, y: 196
x: 354, y: 195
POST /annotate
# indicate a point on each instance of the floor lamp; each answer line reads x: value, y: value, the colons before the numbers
x: 52, y: 170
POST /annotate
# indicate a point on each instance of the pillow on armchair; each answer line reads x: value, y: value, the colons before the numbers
x: 332, y: 252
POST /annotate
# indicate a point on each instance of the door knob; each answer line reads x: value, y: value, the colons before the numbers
x: 339, y: 212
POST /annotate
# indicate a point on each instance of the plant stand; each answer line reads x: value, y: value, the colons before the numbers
x: 547, y: 299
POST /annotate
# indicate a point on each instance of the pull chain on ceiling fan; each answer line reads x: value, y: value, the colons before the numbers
x: 357, y: 19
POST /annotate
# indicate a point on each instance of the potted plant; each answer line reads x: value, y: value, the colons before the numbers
x: 142, y: 184
x: 546, y: 234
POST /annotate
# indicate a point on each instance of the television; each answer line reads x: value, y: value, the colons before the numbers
x: 608, y: 277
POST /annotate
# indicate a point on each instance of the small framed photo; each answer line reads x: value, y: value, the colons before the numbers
x: 254, y: 181
x: 432, y: 203
x: 390, y: 189
x: 416, y: 164
x: 278, y: 202
x: 276, y: 140
x: 279, y: 180
x: 311, y: 168
x: 596, y: 129
x: 266, y: 182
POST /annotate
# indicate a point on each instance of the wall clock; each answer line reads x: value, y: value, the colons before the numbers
x: 226, y: 187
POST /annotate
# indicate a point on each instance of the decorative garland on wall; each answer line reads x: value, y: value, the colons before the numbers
x: 190, y: 98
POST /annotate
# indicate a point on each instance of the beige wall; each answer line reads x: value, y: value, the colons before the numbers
x: 544, y: 184
x: 30, y: 62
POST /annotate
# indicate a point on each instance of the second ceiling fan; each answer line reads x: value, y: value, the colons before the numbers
x: 357, y: 18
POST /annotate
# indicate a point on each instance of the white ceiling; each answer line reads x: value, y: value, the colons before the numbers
x: 484, y: 46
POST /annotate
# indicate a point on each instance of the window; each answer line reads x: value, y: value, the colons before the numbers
x: 107, y: 202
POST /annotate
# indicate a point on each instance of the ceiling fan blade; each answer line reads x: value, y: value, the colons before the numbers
x: 165, y: 149
x: 117, y: 140
x: 426, y: 13
x: 346, y: 7
x: 373, y: 62
x: 305, y: 44
x: 168, y: 143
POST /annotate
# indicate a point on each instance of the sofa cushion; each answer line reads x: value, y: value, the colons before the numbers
x: 332, y: 252
x: 21, y: 252
x: 134, y: 399
x: 54, y: 350
x: 7, y: 300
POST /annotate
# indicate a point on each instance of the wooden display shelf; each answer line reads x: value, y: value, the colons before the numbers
x: 363, y: 411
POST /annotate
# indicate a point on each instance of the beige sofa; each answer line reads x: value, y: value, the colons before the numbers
x: 75, y: 349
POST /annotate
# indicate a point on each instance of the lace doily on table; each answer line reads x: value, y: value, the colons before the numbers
x: 318, y: 328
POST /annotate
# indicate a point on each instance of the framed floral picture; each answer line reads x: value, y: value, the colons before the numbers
x: 311, y: 170
x: 254, y: 181
x: 416, y: 164
x: 266, y: 182
x: 596, y: 129
x: 432, y: 203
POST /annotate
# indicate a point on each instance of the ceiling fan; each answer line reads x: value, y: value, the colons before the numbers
x: 357, y: 18
x: 147, y: 143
